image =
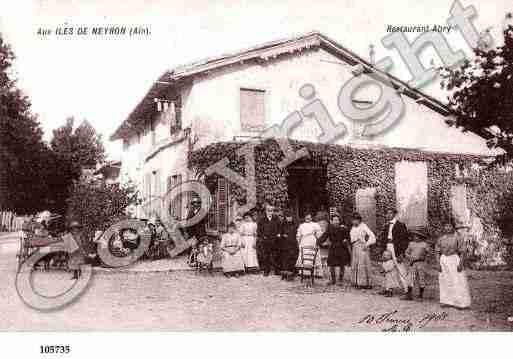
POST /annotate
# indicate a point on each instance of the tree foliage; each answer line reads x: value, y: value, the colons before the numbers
x: 481, y: 95
x: 97, y: 204
x: 24, y: 156
x: 34, y: 175
x: 73, y: 149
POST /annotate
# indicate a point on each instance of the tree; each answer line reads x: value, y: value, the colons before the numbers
x: 74, y: 150
x: 23, y: 153
x: 481, y: 94
x: 97, y: 204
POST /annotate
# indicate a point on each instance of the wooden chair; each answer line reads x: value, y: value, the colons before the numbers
x: 308, y: 255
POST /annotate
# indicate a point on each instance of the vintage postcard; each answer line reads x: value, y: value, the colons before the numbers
x: 282, y: 166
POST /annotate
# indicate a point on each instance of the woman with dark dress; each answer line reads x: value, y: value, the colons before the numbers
x: 338, y: 249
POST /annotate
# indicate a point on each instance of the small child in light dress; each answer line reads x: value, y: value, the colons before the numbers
x: 390, y: 271
x: 205, y: 255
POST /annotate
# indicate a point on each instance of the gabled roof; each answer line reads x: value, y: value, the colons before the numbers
x: 264, y: 52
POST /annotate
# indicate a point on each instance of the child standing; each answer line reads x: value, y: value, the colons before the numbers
x: 415, y: 256
x: 390, y: 271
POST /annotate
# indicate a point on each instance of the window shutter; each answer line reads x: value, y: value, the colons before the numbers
x: 179, y: 200
x: 252, y: 109
x: 212, y: 215
x: 169, y: 184
x: 177, y: 203
x: 222, y: 203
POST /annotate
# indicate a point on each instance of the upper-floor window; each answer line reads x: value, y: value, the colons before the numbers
x: 252, y: 109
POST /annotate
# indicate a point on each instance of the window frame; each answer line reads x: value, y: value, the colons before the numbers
x: 267, y: 116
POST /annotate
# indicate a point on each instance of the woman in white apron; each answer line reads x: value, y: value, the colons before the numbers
x: 247, y: 231
x: 307, y: 235
x: 450, y: 251
x: 231, y: 246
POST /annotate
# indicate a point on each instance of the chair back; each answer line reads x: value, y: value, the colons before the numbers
x: 308, y: 256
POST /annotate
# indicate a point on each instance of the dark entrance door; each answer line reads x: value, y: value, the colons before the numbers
x: 307, y: 189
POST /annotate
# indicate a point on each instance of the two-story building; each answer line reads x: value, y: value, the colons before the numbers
x: 232, y: 98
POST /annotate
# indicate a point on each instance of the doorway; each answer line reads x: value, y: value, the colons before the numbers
x: 307, y: 188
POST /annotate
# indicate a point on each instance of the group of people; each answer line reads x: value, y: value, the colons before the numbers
x: 404, y: 262
x: 36, y: 232
x: 273, y: 243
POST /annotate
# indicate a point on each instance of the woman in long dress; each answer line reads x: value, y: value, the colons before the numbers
x: 338, y: 251
x: 450, y: 251
x: 361, y: 240
x: 248, y: 230
x: 231, y: 246
x: 307, y: 235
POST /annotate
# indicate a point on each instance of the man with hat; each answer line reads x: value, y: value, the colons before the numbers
x: 415, y: 256
x: 197, y: 230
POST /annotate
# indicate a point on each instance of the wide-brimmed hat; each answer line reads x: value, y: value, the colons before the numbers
x: 418, y: 232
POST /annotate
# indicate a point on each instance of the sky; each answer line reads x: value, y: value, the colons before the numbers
x: 102, y: 78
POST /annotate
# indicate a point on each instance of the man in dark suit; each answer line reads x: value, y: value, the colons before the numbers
x: 396, y: 233
x: 396, y: 239
x: 268, y: 229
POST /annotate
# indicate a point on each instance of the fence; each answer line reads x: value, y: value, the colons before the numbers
x: 10, y: 222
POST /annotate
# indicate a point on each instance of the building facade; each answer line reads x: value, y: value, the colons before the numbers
x: 235, y: 97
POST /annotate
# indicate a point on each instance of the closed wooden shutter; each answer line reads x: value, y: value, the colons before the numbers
x: 222, y: 203
x: 169, y: 184
x: 212, y: 214
x: 252, y: 109
x: 176, y: 204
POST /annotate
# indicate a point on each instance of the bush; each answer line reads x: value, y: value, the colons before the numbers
x: 97, y: 205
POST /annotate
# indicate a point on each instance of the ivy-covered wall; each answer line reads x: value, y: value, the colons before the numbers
x: 349, y: 169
